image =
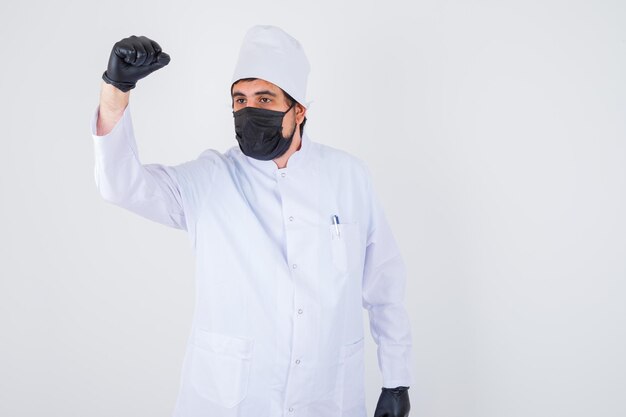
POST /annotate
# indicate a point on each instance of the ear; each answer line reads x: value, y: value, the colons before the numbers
x: 300, y: 113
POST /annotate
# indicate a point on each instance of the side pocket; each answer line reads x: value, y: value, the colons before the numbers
x: 351, y: 349
x: 353, y: 390
x: 220, y: 367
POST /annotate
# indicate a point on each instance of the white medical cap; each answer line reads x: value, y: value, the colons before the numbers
x: 271, y: 54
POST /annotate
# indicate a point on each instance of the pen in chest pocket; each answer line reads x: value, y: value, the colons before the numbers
x: 336, y: 223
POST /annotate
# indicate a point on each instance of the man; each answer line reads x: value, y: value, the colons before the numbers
x: 290, y: 242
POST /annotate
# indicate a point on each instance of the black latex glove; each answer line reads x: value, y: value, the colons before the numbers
x: 132, y: 59
x: 393, y: 402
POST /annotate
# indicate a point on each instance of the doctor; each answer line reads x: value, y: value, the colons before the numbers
x: 290, y: 243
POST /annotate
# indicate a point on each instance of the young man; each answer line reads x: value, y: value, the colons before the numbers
x: 290, y: 240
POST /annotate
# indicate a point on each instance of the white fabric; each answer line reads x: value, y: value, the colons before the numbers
x: 271, y: 54
x: 277, y: 327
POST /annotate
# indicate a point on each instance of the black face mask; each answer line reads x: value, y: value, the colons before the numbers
x: 260, y: 132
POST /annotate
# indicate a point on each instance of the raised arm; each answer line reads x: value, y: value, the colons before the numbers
x: 150, y: 190
x: 113, y: 102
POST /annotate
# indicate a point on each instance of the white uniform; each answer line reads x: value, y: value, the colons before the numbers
x: 277, y: 327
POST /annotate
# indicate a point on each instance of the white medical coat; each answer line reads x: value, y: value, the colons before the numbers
x: 277, y: 327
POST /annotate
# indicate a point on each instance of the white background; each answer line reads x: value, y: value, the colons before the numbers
x: 496, y: 134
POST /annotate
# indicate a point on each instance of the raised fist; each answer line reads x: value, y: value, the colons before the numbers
x: 132, y: 59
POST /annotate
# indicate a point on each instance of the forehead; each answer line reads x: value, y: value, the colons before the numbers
x: 251, y: 87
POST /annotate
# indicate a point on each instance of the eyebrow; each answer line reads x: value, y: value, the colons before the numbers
x: 258, y: 93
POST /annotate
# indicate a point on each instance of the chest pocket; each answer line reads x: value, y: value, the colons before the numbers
x: 221, y: 367
x: 344, y: 246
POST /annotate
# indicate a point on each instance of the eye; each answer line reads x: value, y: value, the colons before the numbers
x: 240, y: 100
x: 265, y: 100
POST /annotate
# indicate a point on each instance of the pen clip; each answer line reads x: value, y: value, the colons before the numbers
x: 336, y: 223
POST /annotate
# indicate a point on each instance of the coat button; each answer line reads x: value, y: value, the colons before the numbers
x: 300, y: 311
x: 290, y: 218
x: 290, y: 408
x: 282, y: 174
x: 295, y: 266
x: 297, y: 360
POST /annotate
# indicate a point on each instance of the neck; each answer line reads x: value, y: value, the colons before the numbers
x: 296, y: 143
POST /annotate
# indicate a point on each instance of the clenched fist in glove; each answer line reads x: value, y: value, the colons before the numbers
x: 132, y: 59
x: 393, y: 402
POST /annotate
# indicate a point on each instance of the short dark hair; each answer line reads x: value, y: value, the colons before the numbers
x: 290, y: 99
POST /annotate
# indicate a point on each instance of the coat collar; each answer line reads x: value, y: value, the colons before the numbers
x: 295, y: 161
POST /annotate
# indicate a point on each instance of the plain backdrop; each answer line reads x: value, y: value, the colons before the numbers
x: 496, y: 134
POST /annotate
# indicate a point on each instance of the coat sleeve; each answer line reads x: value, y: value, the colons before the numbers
x: 150, y: 190
x: 384, y: 280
